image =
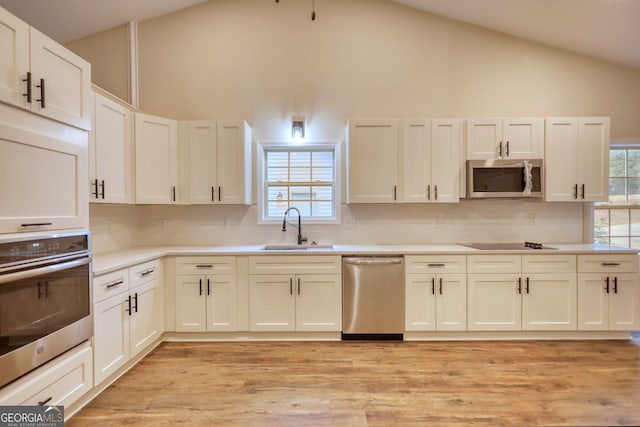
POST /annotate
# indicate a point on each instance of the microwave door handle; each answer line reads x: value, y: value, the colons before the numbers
x: 28, y: 274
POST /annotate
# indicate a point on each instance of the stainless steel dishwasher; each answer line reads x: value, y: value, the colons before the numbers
x: 372, y: 297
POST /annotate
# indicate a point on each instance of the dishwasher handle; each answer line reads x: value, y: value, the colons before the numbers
x: 372, y: 261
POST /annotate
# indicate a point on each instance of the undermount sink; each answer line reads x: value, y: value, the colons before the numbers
x: 285, y: 247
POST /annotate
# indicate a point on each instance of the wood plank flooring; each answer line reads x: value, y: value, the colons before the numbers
x: 512, y: 383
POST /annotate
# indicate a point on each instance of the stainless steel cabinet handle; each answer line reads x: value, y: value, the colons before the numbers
x: 436, y: 265
x: 500, y: 151
x: 44, y: 402
x: 395, y: 192
x: 615, y: 285
x: 441, y: 286
x: 95, y: 183
x: 208, y: 287
x: 507, y: 148
x: 213, y: 193
x: 128, y: 310
x: 435, y: 191
x: 135, y: 307
x: 173, y: 193
x: 36, y: 224
x: 116, y: 283
x: 28, y: 81
x: 102, y: 185
x: 520, y: 285
x: 298, y: 286
x: 575, y: 191
x: 41, y: 100
x: 582, y: 191
x: 147, y: 272
x: 290, y: 285
x: 200, y: 285
x: 606, y: 286
x: 433, y: 285
x: 204, y: 266
x: 429, y: 192
x: 527, y: 285
x: 219, y: 193
x: 610, y: 264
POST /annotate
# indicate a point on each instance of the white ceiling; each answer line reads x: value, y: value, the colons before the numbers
x: 66, y: 20
x: 607, y: 29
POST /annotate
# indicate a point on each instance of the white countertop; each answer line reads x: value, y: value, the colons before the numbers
x: 106, y: 262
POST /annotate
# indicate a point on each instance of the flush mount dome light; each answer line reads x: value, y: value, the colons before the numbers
x: 297, y: 127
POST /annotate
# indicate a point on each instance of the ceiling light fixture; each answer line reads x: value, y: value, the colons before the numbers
x: 313, y: 9
x: 297, y: 127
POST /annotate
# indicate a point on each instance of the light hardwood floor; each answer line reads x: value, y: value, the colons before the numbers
x: 512, y: 383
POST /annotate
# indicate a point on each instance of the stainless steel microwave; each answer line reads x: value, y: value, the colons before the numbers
x: 505, y: 178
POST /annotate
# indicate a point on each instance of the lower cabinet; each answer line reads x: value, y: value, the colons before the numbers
x: 295, y: 293
x: 128, y: 321
x: 60, y: 382
x: 519, y: 296
x: 608, y: 293
x: 206, y: 294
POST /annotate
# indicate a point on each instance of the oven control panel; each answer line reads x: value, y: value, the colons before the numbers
x: 45, y: 247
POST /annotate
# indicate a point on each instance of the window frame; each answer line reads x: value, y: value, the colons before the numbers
x: 261, y: 182
x: 617, y: 144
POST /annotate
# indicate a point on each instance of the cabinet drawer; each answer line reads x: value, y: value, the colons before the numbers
x: 607, y: 263
x: 292, y: 264
x: 59, y: 382
x: 548, y: 263
x: 435, y: 264
x: 110, y: 284
x: 143, y: 273
x: 494, y: 263
x: 206, y: 265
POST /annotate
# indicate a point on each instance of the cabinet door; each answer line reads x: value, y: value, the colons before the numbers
x: 494, y: 302
x: 523, y: 138
x: 318, y: 302
x: 110, y: 336
x: 549, y: 302
x: 624, y: 302
x: 593, y: 159
x: 372, y: 161
x: 52, y: 195
x: 420, y: 302
x: 146, y: 317
x: 593, y: 302
x: 416, y: 161
x: 202, y: 162
x: 156, y: 146
x: 112, y: 154
x: 483, y: 138
x: 451, y: 302
x: 560, y: 152
x: 221, y: 303
x: 191, y: 309
x: 234, y: 162
x: 67, y: 78
x: 272, y: 303
x: 14, y: 60
x: 445, y: 160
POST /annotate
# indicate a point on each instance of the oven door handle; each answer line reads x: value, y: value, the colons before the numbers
x: 28, y: 274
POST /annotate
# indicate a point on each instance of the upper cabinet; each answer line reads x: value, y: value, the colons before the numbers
x: 431, y: 160
x: 512, y: 138
x: 156, y: 151
x: 577, y: 159
x: 372, y: 161
x: 110, y: 152
x: 38, y: 74
x: 218, y: 162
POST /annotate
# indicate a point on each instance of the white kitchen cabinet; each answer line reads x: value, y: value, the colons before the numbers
x: 206, y: 294
x: 508, y: 138
x: 577, y: 159
x: 295, y: 293
x: 38, y: 74
x: 431, y: 160
x: 110, y: 152
x: 156, y: 164
x: 128, y: 319
x: 372, y: 161
x: 219, y: 162
x: 61, y: 381
x: 435, y: 293
x: 43, y: 174
x: 529, y: 292
x: 608, y: 292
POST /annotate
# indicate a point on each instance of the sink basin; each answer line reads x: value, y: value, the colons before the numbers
x: 283, y: 247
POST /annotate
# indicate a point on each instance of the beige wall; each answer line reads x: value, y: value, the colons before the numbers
x: 262, y: 61
x: 108, y: 53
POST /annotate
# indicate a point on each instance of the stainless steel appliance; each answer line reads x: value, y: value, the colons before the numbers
x: 372, y: 297
x: 45, y: 300
x: 505, y: 178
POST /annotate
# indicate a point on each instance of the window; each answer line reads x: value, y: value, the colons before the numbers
x: 617, y: 222
x: 300, y: 177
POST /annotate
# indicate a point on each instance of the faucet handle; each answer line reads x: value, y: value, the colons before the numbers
x: 303, y: 240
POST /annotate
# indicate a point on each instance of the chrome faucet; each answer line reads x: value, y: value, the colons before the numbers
x: 299, y: 226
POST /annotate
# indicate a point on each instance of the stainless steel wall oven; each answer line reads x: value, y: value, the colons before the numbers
x: 45, y: 300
